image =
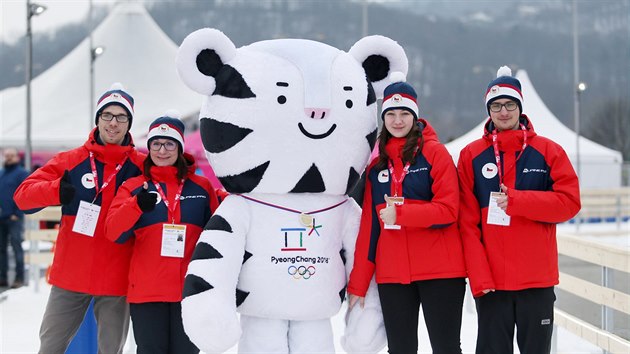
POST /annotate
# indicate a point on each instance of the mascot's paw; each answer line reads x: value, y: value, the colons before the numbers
x: 213, y: 329
x: 365, y: 331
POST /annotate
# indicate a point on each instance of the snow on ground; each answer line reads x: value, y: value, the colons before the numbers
x: 21, y: 309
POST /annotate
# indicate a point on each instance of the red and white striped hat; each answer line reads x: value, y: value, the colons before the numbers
x: 400, y: 95
x: 504, y: 86
x: 116, y: 95
x: 168, y: 126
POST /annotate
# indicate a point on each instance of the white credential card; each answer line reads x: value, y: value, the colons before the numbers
x: 391, y: 227
x: 87, y: 217
x: 393, y: 201
x: 496, y: 215
x: 173, y: 240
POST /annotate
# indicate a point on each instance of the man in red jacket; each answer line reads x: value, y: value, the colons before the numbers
x: 515, y: 186
x: 86, y: 265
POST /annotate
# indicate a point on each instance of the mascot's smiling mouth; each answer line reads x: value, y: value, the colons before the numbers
x: 317, y: 136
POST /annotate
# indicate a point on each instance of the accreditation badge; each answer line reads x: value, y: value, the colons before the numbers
x: 173, y: 240
x: 496, y: 215
x: 395, y: 200
x: 86, y: 219
x: 391, y: 227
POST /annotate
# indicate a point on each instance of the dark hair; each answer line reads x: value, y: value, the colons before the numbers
x: 180, y: 163
x: 414, y: 138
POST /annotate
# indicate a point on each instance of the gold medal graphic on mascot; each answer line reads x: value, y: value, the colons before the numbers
x: 306, y: 219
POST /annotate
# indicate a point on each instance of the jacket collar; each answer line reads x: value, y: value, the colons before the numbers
x: 109, y: 153
x: 510, y: 140
x: 168, y: 174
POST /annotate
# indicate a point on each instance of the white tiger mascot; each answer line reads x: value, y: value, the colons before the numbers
x: 288, y: 126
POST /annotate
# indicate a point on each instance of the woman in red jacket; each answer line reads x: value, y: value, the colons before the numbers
x: 408, y: 233
x: 165, y: 210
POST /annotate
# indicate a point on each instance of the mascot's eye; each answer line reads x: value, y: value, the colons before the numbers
x: 282, y: 99
x: 349, y: 103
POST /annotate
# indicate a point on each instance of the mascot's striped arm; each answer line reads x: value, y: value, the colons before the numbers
x: 365, y: 331
x: 210, y: 294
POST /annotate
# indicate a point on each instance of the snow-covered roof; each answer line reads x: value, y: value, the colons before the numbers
x: 137, y: 53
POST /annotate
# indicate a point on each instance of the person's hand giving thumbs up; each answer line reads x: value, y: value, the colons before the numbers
x: 146, y: 201
x: 388, y: 214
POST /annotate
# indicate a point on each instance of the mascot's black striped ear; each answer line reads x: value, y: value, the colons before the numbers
x: 380, y: 56
x: 201, y: 64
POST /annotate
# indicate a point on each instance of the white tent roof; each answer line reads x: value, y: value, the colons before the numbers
x: 595, y: 160
x: 137, y: 53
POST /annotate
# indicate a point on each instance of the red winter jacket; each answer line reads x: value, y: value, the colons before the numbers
x: 428, y: 245
x: 152, y: 277
x: 90, y: 265
x: 542, y: 190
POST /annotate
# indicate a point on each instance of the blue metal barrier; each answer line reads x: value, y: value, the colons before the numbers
x: 86, y: 340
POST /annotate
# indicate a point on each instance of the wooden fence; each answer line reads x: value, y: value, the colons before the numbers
x: 605, y: 205
x: 608, y: 257
x: 39, y: 258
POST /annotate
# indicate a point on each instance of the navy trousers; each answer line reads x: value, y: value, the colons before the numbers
x: 158, y: 328
x: 529, y: 310
x: 11, y: 232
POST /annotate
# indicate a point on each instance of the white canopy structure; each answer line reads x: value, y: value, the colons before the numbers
x: 137, y: 53
x: 600, y: 167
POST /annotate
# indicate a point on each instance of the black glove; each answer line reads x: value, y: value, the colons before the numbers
x: 66, y: 189
x: 146, y: 201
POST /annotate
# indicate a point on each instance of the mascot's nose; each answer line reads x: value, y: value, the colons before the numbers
x: 316, y: 113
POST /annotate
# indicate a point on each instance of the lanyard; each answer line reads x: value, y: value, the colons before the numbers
x: 497, y: 155
x: 306, y: 217
x: 292, y: 210
x: 399, y: 180
x: 177, y: 195
x: 109, y: 179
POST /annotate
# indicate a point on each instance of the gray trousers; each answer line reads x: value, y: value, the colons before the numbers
x: 65, y: 311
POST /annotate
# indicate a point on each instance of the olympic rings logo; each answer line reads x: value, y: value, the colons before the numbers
x: 301, y: 272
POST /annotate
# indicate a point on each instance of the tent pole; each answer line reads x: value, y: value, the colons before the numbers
x: 29, y: 74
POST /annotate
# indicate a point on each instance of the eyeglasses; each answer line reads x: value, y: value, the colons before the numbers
x: 120, y: 118
x: 169, y: 145
x: 497, y: 107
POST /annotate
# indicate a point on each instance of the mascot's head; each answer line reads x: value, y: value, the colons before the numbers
x: 288, y: 115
